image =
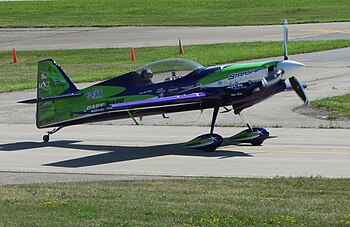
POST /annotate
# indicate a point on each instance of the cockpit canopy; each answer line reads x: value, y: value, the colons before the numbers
x: 165, y: 70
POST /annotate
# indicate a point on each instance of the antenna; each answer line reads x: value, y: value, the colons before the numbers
x: 285, y: 39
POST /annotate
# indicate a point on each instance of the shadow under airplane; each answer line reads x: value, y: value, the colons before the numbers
x: 112, y: 154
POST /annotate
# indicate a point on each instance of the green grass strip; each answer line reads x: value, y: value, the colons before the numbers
x: 192, y: 202
x: 86, y: 65
x: 339, y: 104
x: 66, y: 13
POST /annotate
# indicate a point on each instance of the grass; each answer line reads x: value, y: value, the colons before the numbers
x: 192, y: 202
x: 65, y: 13
x: 86, y: 65
x: 339, y: 104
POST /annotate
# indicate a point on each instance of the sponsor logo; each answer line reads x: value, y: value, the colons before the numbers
x: 145, y: 92
x: 57, y: 81
x: 173, y: 89
x: 245, y: 73
x: 44, y: 84
x: 236, y: 86
x: 95, y: 106
x: 160, y: 92
x: 43, y: 76
x: 94, y: 94
x: 189, y: 87
x: 109, y: 102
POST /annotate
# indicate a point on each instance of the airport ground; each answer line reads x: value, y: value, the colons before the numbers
x: 302, y: 145
x: 107, y: 37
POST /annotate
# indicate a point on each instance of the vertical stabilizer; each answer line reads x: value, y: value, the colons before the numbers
x: 53, y: 83
x: 52, y: 80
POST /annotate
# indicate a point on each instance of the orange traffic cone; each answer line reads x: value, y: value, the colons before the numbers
x: 181, y: 49
x: 133, y: 57
x: 15, y: 60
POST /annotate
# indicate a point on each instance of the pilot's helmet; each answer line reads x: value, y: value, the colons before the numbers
x: 147, y: 71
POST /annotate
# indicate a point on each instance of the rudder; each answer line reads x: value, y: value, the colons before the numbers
x: 52, y: 80
x: 53, y: 85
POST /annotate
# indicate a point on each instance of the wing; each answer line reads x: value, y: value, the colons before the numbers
x: 153, y: 103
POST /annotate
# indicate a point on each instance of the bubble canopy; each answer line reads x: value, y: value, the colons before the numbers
x: 169, y: 69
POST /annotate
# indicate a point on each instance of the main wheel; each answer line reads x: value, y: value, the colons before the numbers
x: 206, y: 142
x: 46, y: 138
x: 257, y: 143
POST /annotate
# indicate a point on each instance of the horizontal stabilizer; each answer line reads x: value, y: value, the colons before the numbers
x: 38, y: 100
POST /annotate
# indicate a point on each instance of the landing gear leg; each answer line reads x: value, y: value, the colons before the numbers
x: 207, y: 142
x: 254, y: 136
x: 245, y: 121
x: 213, y: 120
x: 46, y: 137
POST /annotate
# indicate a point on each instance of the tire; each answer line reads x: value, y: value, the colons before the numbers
x: 46, y: 138
x: 257, y: 143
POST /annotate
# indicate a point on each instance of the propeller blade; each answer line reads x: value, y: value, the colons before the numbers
x: 299, y: 89
x: 285, y: 39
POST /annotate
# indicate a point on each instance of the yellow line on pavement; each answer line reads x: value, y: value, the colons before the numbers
x: 347, y: 31
x: 283, y: 149
x: 315, y: 31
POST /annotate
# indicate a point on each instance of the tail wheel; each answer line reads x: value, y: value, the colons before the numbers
x: 46, y: 138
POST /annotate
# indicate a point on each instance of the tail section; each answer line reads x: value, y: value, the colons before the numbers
x: 56, y: 95
x: 52, y: 80
x: 53, y: 89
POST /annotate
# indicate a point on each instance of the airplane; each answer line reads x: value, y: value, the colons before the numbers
x: 162, y: 87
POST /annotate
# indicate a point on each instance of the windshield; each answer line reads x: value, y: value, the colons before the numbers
x: 165, y: 70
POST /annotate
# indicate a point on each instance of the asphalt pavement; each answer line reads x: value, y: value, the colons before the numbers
x: 117, y: 150
x: 106, y: 37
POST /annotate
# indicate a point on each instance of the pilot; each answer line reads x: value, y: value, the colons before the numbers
x: 146, y: 75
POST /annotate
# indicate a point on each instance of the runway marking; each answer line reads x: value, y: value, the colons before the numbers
x: 284, y: 149
x: 315, y: 31
x: 329, y: 31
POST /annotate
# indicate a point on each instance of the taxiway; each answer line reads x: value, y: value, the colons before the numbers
x: 301, y: 145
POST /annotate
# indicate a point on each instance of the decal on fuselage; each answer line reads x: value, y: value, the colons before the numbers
x: 94, y: 94
x: 160, y: 92
x: 234, y: 80
x: 44, y: 84
x: 43, y: 76
x: 94, y: 106
x: 114, y: 101
x: 245, y: 73
x: 237, y: 86
x: 145, y: 92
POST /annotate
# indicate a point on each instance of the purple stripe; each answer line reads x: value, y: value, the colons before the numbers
x: 159, y: 100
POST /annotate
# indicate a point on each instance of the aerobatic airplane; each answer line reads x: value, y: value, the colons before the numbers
x: 162, y: 87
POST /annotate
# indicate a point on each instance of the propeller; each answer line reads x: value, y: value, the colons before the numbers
x: 299, y: 89
x: 285, y: 39
x: 288, y: 66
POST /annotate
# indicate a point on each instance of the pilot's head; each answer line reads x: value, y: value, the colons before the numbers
x: 146, y: 74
